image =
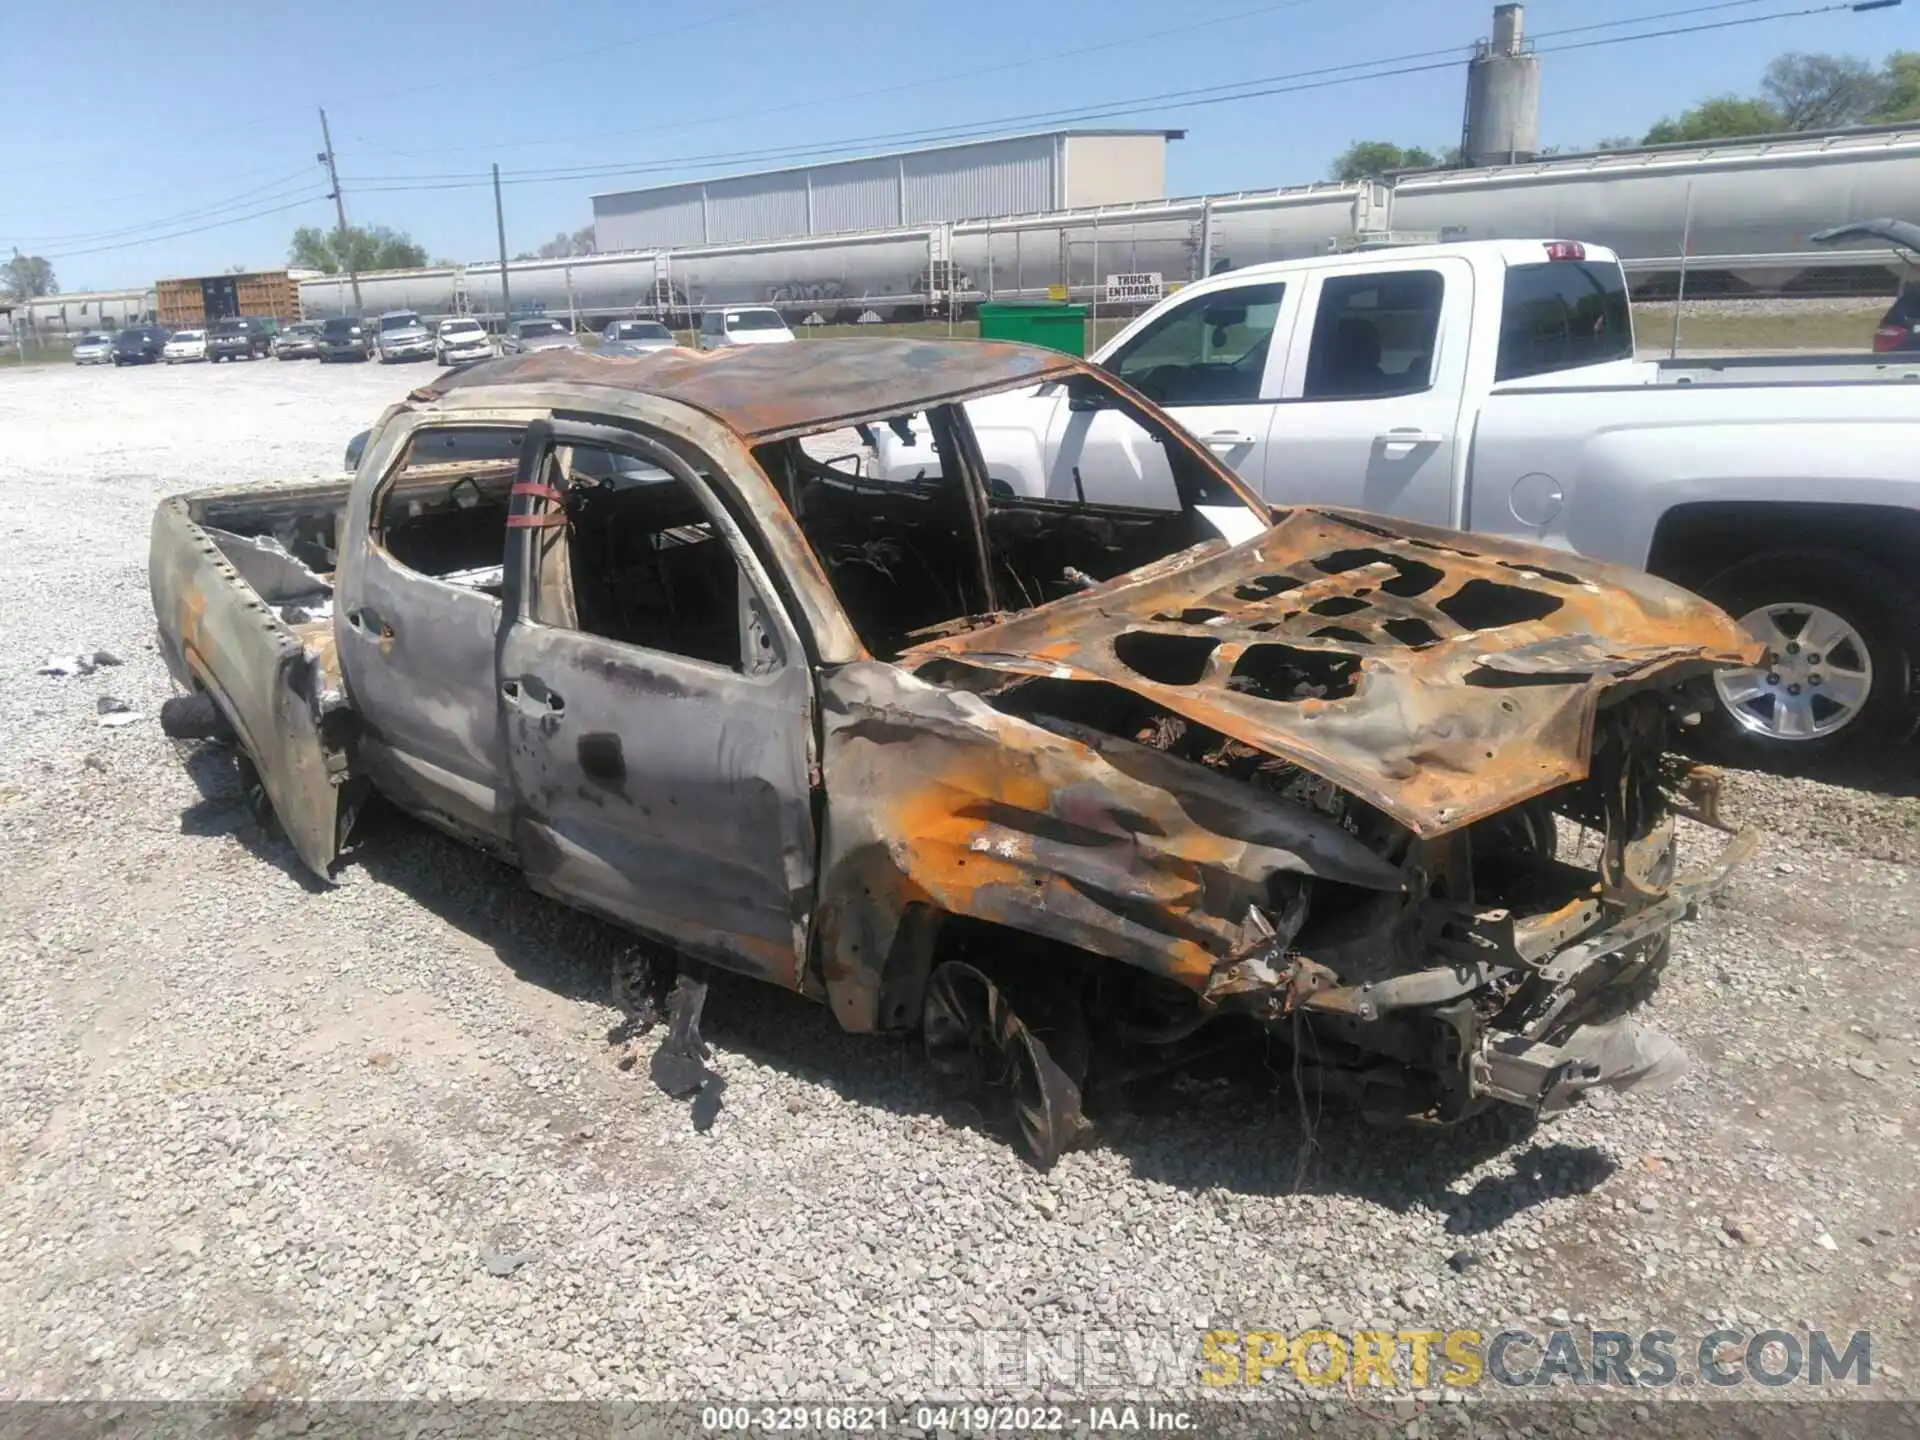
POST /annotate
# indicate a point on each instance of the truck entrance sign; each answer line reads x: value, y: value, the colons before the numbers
x: 1122, y: 288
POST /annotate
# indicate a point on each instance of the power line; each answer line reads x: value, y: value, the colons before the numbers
x: 1453, y: 55
x: 195, y: 230
x: 1845, y: 5
x: 122, y: 199
x: 467, y: 78
x: 1643, y: 19
x: 841, y: 98
x: 201, y: 212
x: 1323, y: 77
x: 1192, y: 98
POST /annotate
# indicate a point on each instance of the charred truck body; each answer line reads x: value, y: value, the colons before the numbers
x: 1065, y: 786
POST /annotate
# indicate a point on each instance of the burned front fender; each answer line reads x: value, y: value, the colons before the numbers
x: 939, y: 803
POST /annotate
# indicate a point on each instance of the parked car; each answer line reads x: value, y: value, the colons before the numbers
x: 1065, y: 791
x: 635, y: 337
x: 139, y: 345
x: 745, y: 325
x: 343, y: 337
x: 229, y: 340
x: 460, y: 341
x: 401, y: 335
x: 1899, y: 329
x: 299, y: 341
x: 262, y: 331
x: 184, y: 346
x: 525, y: 337
x: 93, y: 349
x: 1493, y: 386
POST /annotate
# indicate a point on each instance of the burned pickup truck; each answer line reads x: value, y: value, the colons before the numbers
x: 1067, y: 786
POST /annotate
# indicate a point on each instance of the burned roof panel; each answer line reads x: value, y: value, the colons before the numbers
x: 766, y: 392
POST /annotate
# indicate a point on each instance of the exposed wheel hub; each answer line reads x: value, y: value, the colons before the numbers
x: 1813, y: 681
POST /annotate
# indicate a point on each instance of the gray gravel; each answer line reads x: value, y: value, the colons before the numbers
x: 263, y: 1138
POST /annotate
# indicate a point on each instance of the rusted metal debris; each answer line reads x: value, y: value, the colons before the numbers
x: 1438, y: 677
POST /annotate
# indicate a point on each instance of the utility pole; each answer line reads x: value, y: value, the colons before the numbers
x: 500, y: 227
x: 339, y: 208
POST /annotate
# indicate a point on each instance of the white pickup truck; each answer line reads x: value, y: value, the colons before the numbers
x: 1493, y: 386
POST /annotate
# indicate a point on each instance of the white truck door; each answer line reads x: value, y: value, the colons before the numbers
x: 1370, y: 413
x: 1210, y: 362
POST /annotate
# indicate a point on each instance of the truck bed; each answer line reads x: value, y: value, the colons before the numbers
x: 243, y: 594
x: 1787, y: 369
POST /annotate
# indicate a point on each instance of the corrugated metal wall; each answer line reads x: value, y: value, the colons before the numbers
x: 757, y: 207
x: 863, y: 195
x: 970, y: 182
x: 641, y: 219
x: 998, y: 177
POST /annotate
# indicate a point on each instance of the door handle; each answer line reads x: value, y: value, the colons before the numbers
x: 366, y: 621
x: 1226, y: 439
x: 1407, y: 439
x: 536, y: 697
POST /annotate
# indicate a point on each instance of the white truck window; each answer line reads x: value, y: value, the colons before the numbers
x: 1374, y: 335
x: 1210, y: 351
x: 1560, y: 315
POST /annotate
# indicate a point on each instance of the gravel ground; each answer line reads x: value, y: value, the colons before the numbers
x: 260, y: 1137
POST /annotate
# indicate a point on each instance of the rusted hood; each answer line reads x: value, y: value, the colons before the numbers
x: 1441, y: 677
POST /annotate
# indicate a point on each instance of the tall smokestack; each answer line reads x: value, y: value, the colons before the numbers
x: 1503, y: 94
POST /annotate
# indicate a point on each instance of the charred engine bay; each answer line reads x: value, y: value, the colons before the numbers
x: 1394, y: 998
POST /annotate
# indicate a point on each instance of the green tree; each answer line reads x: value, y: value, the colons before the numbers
x: 1366, y: 159
x: 1722, y: 118
x: 358, y: 248
x: 1900, y: 99
x: 26, y: 277
x: 1820, y: 92
x: 580, y: 242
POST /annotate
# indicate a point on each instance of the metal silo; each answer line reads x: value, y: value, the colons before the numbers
x: 1503, y: 95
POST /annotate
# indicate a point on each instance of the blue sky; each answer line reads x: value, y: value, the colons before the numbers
x: 149, y: 119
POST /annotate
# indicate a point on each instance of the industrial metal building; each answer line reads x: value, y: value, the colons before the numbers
x: 1015, y: 175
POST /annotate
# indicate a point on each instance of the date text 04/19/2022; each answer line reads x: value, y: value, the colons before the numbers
x: 1011, y: 1419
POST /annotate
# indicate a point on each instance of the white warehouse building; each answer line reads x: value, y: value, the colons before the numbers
x: 1013, y: 175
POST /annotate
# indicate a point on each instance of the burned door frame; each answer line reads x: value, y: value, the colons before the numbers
x: 411, y: 649
x: 684, y: 807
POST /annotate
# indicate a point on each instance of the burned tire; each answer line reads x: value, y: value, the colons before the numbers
x: 193, y: 717
x: 975, y: 1039
x: 1843, y: 639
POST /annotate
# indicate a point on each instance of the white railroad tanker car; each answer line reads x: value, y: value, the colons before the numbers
x: 78, y: 312
x: 1740, y: 213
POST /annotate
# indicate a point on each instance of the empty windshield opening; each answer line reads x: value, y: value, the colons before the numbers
x: 913, y: 557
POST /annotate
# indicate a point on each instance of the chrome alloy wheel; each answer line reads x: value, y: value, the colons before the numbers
x: 1814, y: 679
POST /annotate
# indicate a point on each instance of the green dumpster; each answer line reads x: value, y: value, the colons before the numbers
x: 1057, y: 327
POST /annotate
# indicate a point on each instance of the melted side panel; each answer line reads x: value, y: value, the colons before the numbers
x: 934, y: 799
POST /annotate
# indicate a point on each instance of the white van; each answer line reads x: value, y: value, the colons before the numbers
x: 745, y: 325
